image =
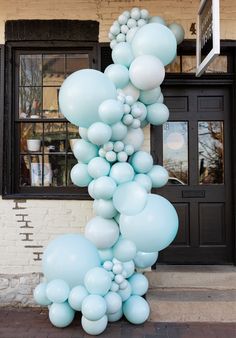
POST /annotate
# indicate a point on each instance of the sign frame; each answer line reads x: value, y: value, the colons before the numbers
x: 215, y: 35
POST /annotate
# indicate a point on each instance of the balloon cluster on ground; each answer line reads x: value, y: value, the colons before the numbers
x: 98, y: 274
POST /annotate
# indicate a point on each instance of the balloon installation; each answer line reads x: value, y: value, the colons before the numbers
x: 98, y: 273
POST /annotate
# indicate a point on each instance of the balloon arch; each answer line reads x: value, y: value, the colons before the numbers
x: 97, y: 273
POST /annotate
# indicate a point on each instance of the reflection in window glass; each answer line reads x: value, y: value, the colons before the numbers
x: 189, y: 64
x: 75, y: 62
x: 50, y: 102
x: 30, y: 102
x: 54, y: 137
x: 57, y: 170
x: 53, y: 69
x: 30, y: 70
x: 175, y: 151
x: 218, y: 65
x: 174, y: 67
x: 211, y: 152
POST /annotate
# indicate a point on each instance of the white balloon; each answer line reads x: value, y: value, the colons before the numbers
x: 131, y: 91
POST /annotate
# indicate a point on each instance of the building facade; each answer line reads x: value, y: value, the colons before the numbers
x: 196, y: 145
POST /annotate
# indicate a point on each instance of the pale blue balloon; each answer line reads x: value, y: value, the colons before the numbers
x: 122, y: 172
x: 84, y: 151
x: 130, y: 198
x: 40, y: 295
x: 91, y: 188
x: 144, y: 260
x: 98, y: 167
x: 157, y: 40
x: 157, y: 114
x: 159, y: 176
x: 81, y: 94
x: 161, y: 98
x: 142, y: 162
x: 144, y: 180
x: 99, y: 133
x: 94, y: 327
x: 76, y: 297
x: 157, y: 19
x: 104, y: 208
x: 104, y: 187
x: 113, y: 301
x: 105, y: 254
x: 124, y: 250
x: 136, y: 310
x: 80, y: 176
x: 94, y: 307
x: 83, y: 133
x: 154, y: 228
x: 150, y: 96
x: 114, y: 317
x: 131, y: 33
x: 122, y: 54
x: 57, y: 291
x: 129, y: 268
x: 135, y: 138
x: 139, y: 284
x: 118, y: 74
x: 142, y: 108
x: 111, y: 111
x: 63, y: 259
x: 97, y: 281
x: 119, y: 131
x: 61, y: 314
x: 125, y: 293
x: 178, y: 32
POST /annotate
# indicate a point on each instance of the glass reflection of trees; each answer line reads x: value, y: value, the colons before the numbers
x: 211, y: 152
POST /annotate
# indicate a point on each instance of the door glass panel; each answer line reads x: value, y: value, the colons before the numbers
x: 175, y: 151
x: 211, y: 152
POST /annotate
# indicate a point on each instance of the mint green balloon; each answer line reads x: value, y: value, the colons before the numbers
x: 136, y: 310
x: 157, y: 114
x: 139, y: 284
x: 122, y: 54
x: 58, y: 291
x: 144, y: 180
x: 150, y: 96
x: 98, y: 167
x: 61, y: 314
x: 99, y: 133
x: 144, y: 260
x: 114, y: 317
x: 157, y: 40
x: 142, y: 162
x: 40, y: 295
x: 104, y: 208
x: 97, y: 281
x: 178, y: 31
x: 118, y: 74
x: 81, y: 94
x: 122, y: 172
x: 104, y: 187
x: 157, y: 19
x: 80, y: 176
x: 159, y: 176
x: 94, y: 327
x: 94, y: 307
x: 84, y: 151
x: 111, y: 111
x: 76, y: 297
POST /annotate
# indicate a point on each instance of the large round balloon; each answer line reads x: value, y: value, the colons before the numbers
x: 154, y: 228
x: 136, y: 310
x: 93, y: 307
x: 118, y: 74
x: 64, y: 259
x: 157, y: 114
x: 61, y: 314
x: 178, y: 31
x: 40, y: 295
x: 157, y: 40
x: 80, y: 176
x: 104, y: 187
x: 142, y: 162
x: 97, y: 282
x: 84, y: 151
x: 122, y: 54
x: 82, y: 93
x: 159, y: 176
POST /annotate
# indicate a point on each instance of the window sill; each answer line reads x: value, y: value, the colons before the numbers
x: 47, y: 196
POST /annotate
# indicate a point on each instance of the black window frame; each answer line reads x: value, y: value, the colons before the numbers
x: 11, y: 160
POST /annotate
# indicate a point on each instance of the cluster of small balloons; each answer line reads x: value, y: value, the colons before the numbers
x: 97, y: 273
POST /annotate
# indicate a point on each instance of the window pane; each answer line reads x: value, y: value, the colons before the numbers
x: 31, y: 137
x: 56, y: 170
x: 53, y: 69
x: 50, y: 102
x: 25, y: 171
x: 188, y: 63
x: 175, y: 151
x: 211, y: 152
x: 54, y: 137
x: 174, y: 67
x: 75, y: 62
x: 73, y: 135
x: 30, y: 70
x: 31, y: 170
x: 71, y: 161
x: 30, y: 102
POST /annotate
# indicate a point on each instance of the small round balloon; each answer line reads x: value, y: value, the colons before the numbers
x: 104, y: 187
x: 98, y: 167
x: 58, y: 291
x: 142, y: 162
x: 40, y: 295
x: 157, y: 114
x: 124, y: 250
x: 113, y: 301
x: 97, y: 281
x: 159, y: 176
x: 76, y: 297
x: 122, y: 54
x: 99, y: 133
x: 122, y: 172
x: 139, y: 284
x: 84, y: 151
x: 61, y: 314
x: 178, y: 32
x: 94, y: 307
x: 94, y: 327
x: 136, y: 310
x: 118, y: 74
x: 111, y: 111
x: 80, y: 176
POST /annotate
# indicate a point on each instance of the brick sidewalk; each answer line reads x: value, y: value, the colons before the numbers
x: 34, y: 323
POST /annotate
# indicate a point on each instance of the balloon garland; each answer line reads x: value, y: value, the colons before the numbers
x: 96, y: 273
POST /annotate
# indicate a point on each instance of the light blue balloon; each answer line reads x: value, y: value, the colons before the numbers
x: 80, y: 176
x: 111, y: 111
x: 114, y: 317
x: 98, y: 167
x: 91, y: 188
x: 136, y: 310
x: 140, y: 106
x: 104, y: 187
x: 157, y: 40
x: 118, y: 74
x: 144, y: 180
x: 105, y: 254
x: 150, y: 96
x: 119, y: 131
x: 124, y: 250
x: 125, y: 293
x: 40, y: 295
x: 122, y: 54
x: 63, y: 259
x: 94, y: 307
x: 161, y: 98
x: 139, y: 284
x: 94, y: 327
x: 142, y: 162
x: 81, y: 94
x: 97, y: 281
x: 130, y: 198
x: 154, y: 228
x: 178, y: 32
x: 144, y: 123
x: 61, y: 314
x: 99, y: 133
x: 134, y: 137
x: 122, y: 172
x: 143, y: 260
x: 159, y: 176
x: 129, y: 268
x: 84, y: 151
x: 76, y: 297
x: 157, y: 19
x: 157, y: 114
x: 58, y: 291
x: 104, y: 208
x: 113, y: 301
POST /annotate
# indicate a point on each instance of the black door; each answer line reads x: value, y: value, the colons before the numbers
x: 194, y: 146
